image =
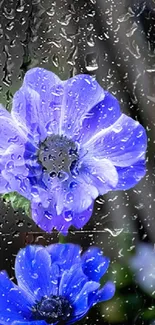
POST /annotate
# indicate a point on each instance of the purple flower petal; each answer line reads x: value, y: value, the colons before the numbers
x: 123, y: 143
x: 14, y: 302
x: 63, y: 201
x: 129, y: 176
x: 38, y: 103
x: 49, y: 88
x: 69, y: 101
x: 72, y: 282
x: 41, y: 81
x: 101, y: 173
x: 13, y: 145
x: 39, y: 191
x: 81, y: 93
x: 55, y: 279
x: 94, y: 263
x: 26, y: 110
x: 47, y: 218
x: 3, y: 182
x: 75, y: 196
x: 33, y: 271
x: 4, y: 113
x: 10, y: 133
x: 81, y: 196
x: 15, y: 169
x: 19, y: 184
x: 65, y: 255
x: 101, y: 116
x: 81, y: 303
x: 106, y: 293
x: 80, y: 219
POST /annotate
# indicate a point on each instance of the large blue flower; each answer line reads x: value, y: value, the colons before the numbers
x: 55, y: 285
x: 65, y: 143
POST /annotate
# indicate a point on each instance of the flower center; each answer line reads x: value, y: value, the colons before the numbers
x: 58, y: 155
x: 52, y: 309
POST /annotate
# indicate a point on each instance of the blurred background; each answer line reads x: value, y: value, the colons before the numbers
x: 115, y: 42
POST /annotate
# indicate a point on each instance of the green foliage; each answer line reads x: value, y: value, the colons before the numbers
x: 17, y: 202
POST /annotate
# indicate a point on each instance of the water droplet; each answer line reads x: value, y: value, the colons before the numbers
x: 81, y: 217
x: 34, y: 275
x: 9, y: 13
x: 134, y: 50
x: 140, y: 134
x: 68, y: 215
x: 34, y: 192
x: 10, y: 165
x: 126, y: 16
x: 63, y: 176
x: 48, y: 215
x: 69, y: 197
x: 53, y: 174
x: 90, y: 40
x: 14, y: 140
x: 132, y: 29
x: 139, y: 206
x: 115, y: 232
x: 51, y: 11
x: 55, y: 60
x: 10, y: 26
x: 20, y: 223
x: 73, y: 185
x: 64, y: 21
x: 91, y: 62
x: 20, y: 6
x: 117, y: 128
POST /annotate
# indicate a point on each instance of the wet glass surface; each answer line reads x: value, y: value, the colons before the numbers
x: 113, y: 41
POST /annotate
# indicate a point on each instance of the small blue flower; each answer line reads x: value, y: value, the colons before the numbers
x: 54, y: 285
x: 143, y: 266
x: 64, y: 144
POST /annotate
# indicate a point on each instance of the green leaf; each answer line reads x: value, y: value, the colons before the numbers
x: 17, y: 202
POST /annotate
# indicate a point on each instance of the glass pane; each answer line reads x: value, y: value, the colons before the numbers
x: 114, y: 43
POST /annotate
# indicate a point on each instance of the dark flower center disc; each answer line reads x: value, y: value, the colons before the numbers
x: 52, y: 309
x: 58, y: 155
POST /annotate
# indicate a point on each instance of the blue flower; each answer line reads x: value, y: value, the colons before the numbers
x: 143, y: 266
x: 64, y: 144
x: 54, y: 285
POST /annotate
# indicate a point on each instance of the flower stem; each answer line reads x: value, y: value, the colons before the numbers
x: 62, y: 239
